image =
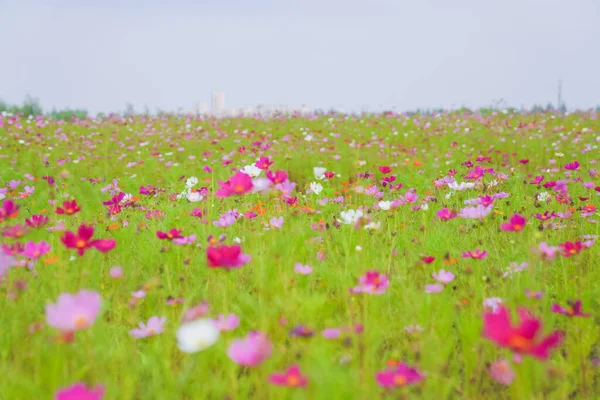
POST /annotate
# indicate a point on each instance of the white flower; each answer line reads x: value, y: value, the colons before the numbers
x: 358, y: 248
x: 308, y: 138
x: 385, y: 205
x: 191, y: 182
x: 559, y: 154
x: 373, y: 225
x: 251, y: 170
x: 2, y: 196
x: 350, y: 216
x: 543, y: 196
x: 448, y: 195
x: 361, y: 163
x: 319, y: 172
x: 194, y: 196
x: 462, y: 186
x: 493, y: 303
x: 239, y: 240
x: 196, y: 336
x: 183, y: 194
x: 315, y: 187
x: 127, y: 198
x: 424, y: 207
x: 260, y: 184
x: 493, y: 183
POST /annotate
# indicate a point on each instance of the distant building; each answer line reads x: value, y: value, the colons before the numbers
x: 218, y: 102
x: 202, y: 108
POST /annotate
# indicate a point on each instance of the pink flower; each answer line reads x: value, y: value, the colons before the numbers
x: 569, y: 249
x: 196, y: 312
x: 226, y: 256
x: 36, y: 250
x: 502, y: 372
x: 331, y: 333
x: 434, y: 288
x: 153, y: 327
x: 445, y: 214
x: 116, y: 272
x: 547, y: 252
x: 73, y: 312
x: 8, y: 210
x: 185, y: 240
x: 238, y: 184
x: 516, y: 224
x: 276, y: 222
x: 250, y: 351
x: 302, y: 269
x: 475, y: 254
x: 6, y: 261
x: 522, y: 339
x: 444, y: 277
x: 227, y: 322
x: 372, y: 282
x: 292, y: 377
x: 79, y: 391
x: 573, y: 311
x: 277, y: 176
x: 400, y: 376
x: 537, y: 180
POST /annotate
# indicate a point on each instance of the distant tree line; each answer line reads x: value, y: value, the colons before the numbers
x: 32, y: 107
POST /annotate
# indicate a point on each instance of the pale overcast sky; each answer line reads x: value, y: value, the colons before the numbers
x: 374, y: 54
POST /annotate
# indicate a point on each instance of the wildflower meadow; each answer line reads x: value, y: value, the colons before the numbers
x: 448, y: 255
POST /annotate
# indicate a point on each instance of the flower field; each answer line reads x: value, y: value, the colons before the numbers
x: 337, y: 256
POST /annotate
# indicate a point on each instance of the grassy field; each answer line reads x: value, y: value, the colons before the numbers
x: 349, y: 297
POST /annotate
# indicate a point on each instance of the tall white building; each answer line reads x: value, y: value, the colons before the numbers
x: 218, y: 102
x: 202, y: 108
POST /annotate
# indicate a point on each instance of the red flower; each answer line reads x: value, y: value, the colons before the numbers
x: 226, y: 256
x: 68, y: 208
x: 172, y: 234
x: 82, y: 240
x: 384, y: 169
x: 292, y: 378
x: 522, y: 339
x: 428, y: 259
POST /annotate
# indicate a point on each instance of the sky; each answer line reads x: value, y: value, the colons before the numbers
x: 350, y: 55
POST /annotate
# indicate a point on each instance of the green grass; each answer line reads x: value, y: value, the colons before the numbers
x: 266, y: 292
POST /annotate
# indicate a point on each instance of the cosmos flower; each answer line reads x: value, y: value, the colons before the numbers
x: 34, y: 250
x: 400, y: 376
x: 350, y: 217
x: 74, y: 312
x: 502, y: 372
x: 9, y: 210
x: 82, y: 240
x: 197, y: 335
x: 445, y: 214
x: 227, y: 257
x: 153, y: 327
x: 36, y: 221
x: 238, y: 184
x: 475, y: 254
x: 68, y: 208
x: 523, y: 339
x: 277, y: 177
x: 227, y: 322
x: 315, y: 187
x: 250, y: 351
x: 79, y: 391
x: 516, y: 224
x: 292, y: 377
x: 573, y: 311
x: 372, y: 282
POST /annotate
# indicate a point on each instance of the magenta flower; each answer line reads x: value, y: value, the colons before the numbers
x: 82, y: 240
x: 302, y: 269
x: 185, y: 240
x: 36, y: 250
x: 238, y: 184
x: 8, y: 210
x: 501, y: 372
x: 445, y: 214
x: 523, y: 339
x: 537, y: 180
x: 250, y: 351
x: 226, y: 256
x: 277, y: 176
x: 292, y: 377
x: 79, y: 391
x: 153, y: 327
x: 400, y: 376
x: 227, y: 322
x: 516, y: 224
x: 572, y: 166
x: 264, y: 163
x: 573, y: 311
x: 73, y: 312
x: 36, y: 221
x: 170, y: 235
x: 372, y: 282
x: 475, y: 254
